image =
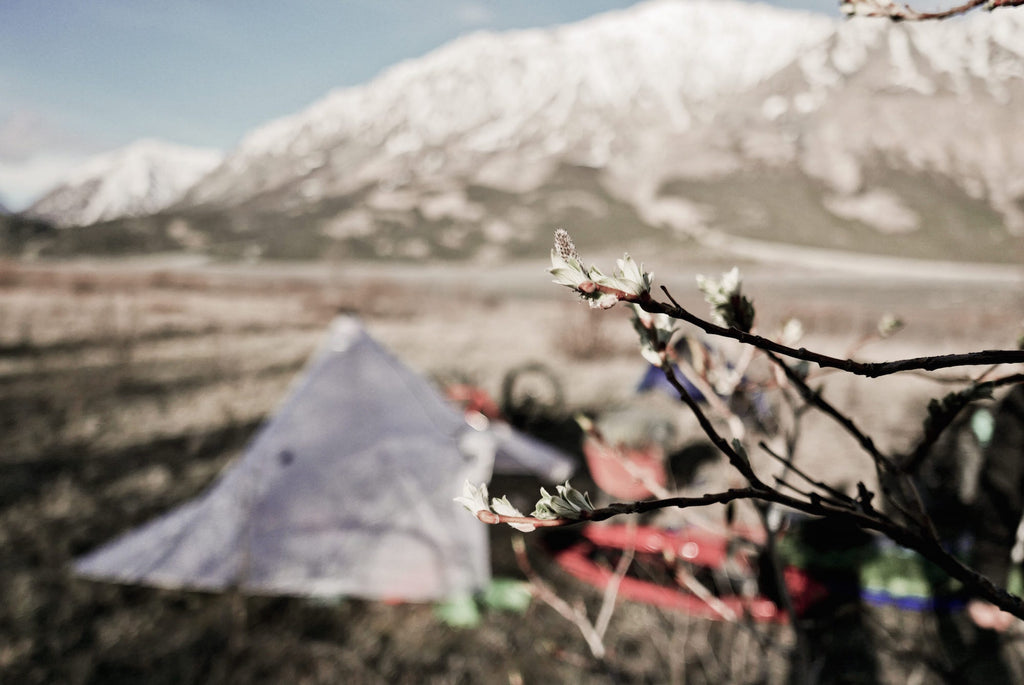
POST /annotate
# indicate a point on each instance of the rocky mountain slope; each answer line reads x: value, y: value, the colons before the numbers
x: 137, y: 180
x: 674, y: 120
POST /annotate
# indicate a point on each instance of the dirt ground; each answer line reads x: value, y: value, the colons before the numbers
x: 126, y: 387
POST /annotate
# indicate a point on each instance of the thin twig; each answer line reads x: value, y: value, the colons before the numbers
x: 815, y: 399
x: 868, y: 369
x: 781, y: 481
x: 771, y: 551
x: 574, y: 615
x: 938, y: 423
x: 739, y: 462
x: 883, y: 464
x: 611, y: 590
x: 712, y: 397
x: 907, y: 13
x: 705, y: 595
x: 788, y: 463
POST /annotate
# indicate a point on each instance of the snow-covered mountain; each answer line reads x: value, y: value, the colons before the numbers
x: 671, y: 120
x: 503, y: 109
x: 142, y: 178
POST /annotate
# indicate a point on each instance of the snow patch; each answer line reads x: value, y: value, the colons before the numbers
x: 143, y: 178
x: 878, y: 208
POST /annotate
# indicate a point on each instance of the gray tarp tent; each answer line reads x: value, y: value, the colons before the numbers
x: 346, y: 490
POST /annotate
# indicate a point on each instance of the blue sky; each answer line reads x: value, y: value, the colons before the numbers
x: 82, y: 76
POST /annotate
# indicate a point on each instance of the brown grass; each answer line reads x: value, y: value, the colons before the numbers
x: 126, y: 387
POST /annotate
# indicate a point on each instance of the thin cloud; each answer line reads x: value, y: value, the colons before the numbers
x: 36, y: 153
x: 473, y: 14
x: 24, y: 181
x: 26, y: 132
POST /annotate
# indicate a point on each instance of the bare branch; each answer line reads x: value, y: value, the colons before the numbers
x: 890, y: 10
x: 574, y: 615
x: 883, y: 464
x: 945, y: 413
x: 816, y: 400
x: 593, y: 632
x: 611, y: 590
x: 868, y: 369
x: 931, y: 549
x: 840, y: 497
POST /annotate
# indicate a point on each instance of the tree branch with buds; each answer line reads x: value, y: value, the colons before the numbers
x: 733, y: 316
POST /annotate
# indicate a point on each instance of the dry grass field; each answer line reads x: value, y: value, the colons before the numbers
x: 125, y: 387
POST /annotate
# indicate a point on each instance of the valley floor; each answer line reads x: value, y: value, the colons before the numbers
x: 125, y: 387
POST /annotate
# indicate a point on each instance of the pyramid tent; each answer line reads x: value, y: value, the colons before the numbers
x: 346, y: 490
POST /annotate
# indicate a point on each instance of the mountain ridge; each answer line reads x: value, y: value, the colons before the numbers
x: 139, y: 179
x: 672, y: 119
